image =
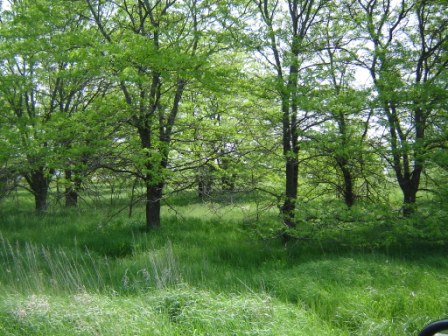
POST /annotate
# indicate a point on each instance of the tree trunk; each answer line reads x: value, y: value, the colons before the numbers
x: 348, y: 188
x: 71, y: 197
x: 153, y: 204
x: 39, y: 184
x: 349, y: 194
x: 409, y: 189
x: 40, y: 199
x: 291, y: 184
x: 204, y: 187
x: 409, y: 204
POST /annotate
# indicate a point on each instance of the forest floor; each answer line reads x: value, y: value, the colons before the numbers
x: 93, y: 271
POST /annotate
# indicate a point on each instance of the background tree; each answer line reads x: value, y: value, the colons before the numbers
x: 405, y: 55
x: 46, y: 82
x: 288, y: 44
x: 342, y: 142
x: 28, y: 107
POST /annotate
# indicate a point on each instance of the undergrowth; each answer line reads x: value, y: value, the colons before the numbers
x: 209, y: 271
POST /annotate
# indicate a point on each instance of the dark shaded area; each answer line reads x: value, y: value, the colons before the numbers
x: 434, y: 328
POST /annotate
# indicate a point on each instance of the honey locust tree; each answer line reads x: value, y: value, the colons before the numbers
x: 342, y: 142
x: 403, y: 46
x: 154, y: 50
x: 44, y: 83
x: 287, y: 31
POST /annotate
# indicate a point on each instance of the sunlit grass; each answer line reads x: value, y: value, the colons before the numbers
x: 180, y: 311
x: 205, y: 272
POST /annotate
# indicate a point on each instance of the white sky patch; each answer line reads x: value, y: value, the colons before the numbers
x: 362, y: 78
x: 5, y: 5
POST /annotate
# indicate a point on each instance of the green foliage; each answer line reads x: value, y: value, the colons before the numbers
x: 363, y: 296
x: 333, y: 226
x: 197, y: 105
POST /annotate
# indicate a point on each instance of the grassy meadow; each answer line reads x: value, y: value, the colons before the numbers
x: 211, y: 269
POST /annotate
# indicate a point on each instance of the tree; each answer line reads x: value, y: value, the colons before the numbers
x: 405, y: 54
x: 342, y: 141
x: 26, y: 112
x: 286, y: 50
x: 155, y: 50
x: 339, y: 152
x: 45, y: 82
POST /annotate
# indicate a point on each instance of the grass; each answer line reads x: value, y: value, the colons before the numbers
x: 204, y: 272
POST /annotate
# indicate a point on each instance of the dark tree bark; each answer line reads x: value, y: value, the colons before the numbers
x: 302, y: 15
x: 348, y: 187
x: 154, y: 195
x: 71, y: 197
x: 291, y: 188
x: 343, y: 160
x: 409, y: 198
x: 39, y: 182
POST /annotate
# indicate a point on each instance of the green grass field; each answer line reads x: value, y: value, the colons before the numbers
x: 93, y: 271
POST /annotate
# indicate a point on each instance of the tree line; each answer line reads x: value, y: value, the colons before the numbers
x: 340, y: 97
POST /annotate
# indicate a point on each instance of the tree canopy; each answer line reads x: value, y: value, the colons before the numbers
x: 293, y: 99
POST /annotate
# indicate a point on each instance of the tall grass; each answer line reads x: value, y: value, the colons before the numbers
x: 32, y: 268
x: 205, y: 273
